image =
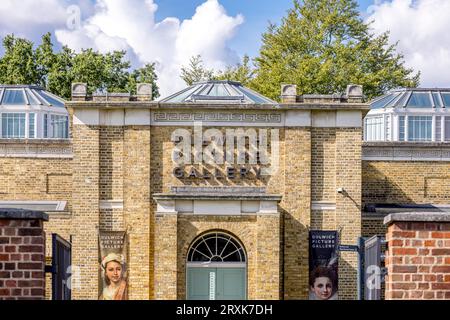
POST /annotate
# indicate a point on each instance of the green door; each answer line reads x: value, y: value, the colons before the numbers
x: 216, y: 284
x: 230, y: 284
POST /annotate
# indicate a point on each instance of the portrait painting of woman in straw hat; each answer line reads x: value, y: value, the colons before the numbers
x: 114, y: 276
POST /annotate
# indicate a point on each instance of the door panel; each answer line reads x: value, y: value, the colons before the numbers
x: 231, y: 284
x: 216, y: 284
x: 198, y: 283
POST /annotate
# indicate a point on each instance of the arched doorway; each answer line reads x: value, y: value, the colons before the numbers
x: 216, y: 268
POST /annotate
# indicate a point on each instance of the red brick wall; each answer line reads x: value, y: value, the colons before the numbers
x: 418, y: 260
x: 22, y: 260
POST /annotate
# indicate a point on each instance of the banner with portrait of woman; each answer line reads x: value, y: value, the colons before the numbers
x: 323, y: 265
x: 113, y: 265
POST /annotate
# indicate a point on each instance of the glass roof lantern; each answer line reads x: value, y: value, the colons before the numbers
x: 413, y: 98
x: 16, y: 95
x: 218, y: 91
x: 410, y: 115
x: 31, y: 112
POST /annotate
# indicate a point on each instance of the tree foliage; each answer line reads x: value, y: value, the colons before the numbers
x: 146, y: 74
x: 196, y: 71
x: 56, y: 71
x: 324, y: 45
x: 241, y: 72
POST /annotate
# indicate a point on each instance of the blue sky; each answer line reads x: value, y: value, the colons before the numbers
x: 169, y: 32
x: 257, y: 15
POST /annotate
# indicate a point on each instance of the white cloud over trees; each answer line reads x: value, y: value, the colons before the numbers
x: 130, y: 25
x: 422, y: 29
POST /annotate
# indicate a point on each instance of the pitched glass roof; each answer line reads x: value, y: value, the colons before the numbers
x: 215, y: 91
x: 28, y: 95
x: 413, y: 98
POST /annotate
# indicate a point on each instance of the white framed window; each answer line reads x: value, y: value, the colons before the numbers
x: 374, y: 128
x: 401, y: 128
x: 388, y: 126
x: 420, y: 128
x: 438, y: 129
x: 31, y: 125
x: 447, y: 129
x: 13, y: 125
x: 59, y: 126
x: 45, y: 125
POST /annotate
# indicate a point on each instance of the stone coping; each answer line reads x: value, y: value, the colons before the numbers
x: 215, y: 196
x: 21, y: 214
x: 154, y: 105
x: 417, y: 217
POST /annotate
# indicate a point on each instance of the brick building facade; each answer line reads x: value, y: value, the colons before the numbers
x: 117, y: 174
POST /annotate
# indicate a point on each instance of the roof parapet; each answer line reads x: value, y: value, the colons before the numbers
x: 80, y: 93
x: 354, y: 94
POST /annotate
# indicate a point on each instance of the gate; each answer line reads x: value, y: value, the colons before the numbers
x: 374, y: 270
x: 61, y: 262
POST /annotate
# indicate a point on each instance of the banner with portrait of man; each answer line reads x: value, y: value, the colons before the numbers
x: 323, y: 265
x: 113, y: 265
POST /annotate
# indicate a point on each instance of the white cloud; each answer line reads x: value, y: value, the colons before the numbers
x: 422, y: 29
x: 15, y: 14
x: 130, y: 25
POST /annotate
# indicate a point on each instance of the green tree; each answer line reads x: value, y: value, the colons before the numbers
x: 324, y: 45
x: 242, y: 72
x: 56, y: 71
x: 18, y: 64
x: 146, y: 74
x: 196, y: 71
x: 45, y: 59
x: 89, y: 67
x: 116, y: 73
x: 60, y: 76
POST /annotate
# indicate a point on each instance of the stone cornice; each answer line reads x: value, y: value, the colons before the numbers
x: 214, y: 196
x: 42, y: 148
x: 154, y: 105
x: 405, y: 151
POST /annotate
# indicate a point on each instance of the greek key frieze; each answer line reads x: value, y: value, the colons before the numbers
x: 217, y: 117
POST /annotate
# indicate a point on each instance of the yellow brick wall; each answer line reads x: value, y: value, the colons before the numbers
x: 323, y: 165
x: 39, y: 180
x: 133, y: 163
x: 137, y: 215
x: 111, y: 162
x: 295, y: 208
x: 406, y: 182
x: 348, y: 205
x: 35, y: 179
x: 86, y: 212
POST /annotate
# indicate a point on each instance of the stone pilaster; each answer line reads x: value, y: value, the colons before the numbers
x: 136, y: 194
x: 85, y: 211
x: 166, y: 253
x: 348, y: 205
x: 296, y: 208
x: 268, y: 256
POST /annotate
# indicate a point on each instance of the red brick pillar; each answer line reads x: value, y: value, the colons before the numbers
x: 418, y: 256
x: 22, y: 255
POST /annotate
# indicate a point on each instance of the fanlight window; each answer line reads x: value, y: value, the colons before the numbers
x: 216, y: 247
